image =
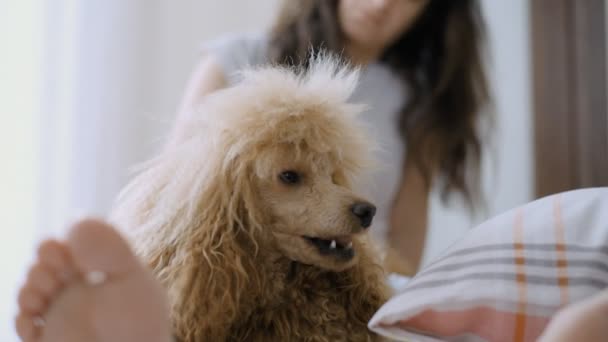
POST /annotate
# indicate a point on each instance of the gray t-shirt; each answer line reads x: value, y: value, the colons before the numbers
x: 379, y: 89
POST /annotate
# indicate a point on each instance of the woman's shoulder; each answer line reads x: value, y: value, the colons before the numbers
x: 236, y: 51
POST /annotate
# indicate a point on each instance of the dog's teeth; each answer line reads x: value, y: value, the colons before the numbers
x: 350, y: 245
x: 333, y: 244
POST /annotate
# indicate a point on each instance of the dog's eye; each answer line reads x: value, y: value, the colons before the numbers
x: 289, y: 177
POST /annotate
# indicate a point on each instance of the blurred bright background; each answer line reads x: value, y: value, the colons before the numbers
x: 89, y: 88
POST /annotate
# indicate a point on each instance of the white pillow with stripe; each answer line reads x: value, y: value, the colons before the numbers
x: 507, y: 277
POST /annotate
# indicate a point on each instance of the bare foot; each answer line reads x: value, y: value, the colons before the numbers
x: 91, y: 288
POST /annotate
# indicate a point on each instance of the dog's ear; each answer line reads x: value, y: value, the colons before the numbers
x: 195, y: 223
x: 218, y: 262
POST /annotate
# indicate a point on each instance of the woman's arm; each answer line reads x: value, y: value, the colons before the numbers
x: 409, y: 223
x: 206, y: 78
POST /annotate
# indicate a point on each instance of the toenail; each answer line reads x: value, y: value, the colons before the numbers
x: 39, y: 322
x: 96, y: 277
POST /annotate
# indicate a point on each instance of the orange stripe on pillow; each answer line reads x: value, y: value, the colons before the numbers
x: 560, y: 249
x: 519, y: 332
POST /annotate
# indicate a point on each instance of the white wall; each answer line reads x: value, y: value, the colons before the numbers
x: 20, y: 37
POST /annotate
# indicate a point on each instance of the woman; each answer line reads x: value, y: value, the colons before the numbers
x: 422, y: 79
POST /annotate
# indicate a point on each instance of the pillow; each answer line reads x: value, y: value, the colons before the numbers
x: 506, y: 278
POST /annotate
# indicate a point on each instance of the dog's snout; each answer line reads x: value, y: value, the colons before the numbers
x: 364, y: 212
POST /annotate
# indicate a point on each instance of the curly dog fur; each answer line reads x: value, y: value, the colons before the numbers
x: 227, y: 236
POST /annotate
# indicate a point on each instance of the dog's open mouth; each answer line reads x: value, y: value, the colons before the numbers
x: 339, y: 246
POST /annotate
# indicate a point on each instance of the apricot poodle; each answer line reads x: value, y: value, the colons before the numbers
x: 251, y: 221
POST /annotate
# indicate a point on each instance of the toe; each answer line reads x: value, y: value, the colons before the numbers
x: 24, y: 325
x: 55, y: 256
x: 43, y: 280
x: 96, y: 246
x: 31, y: 301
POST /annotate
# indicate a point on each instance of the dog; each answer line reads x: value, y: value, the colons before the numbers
x: 251, y: 221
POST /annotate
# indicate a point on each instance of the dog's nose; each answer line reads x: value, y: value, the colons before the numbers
x: 365, y: 212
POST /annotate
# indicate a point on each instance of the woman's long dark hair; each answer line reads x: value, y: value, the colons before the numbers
x: 440, y: 60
